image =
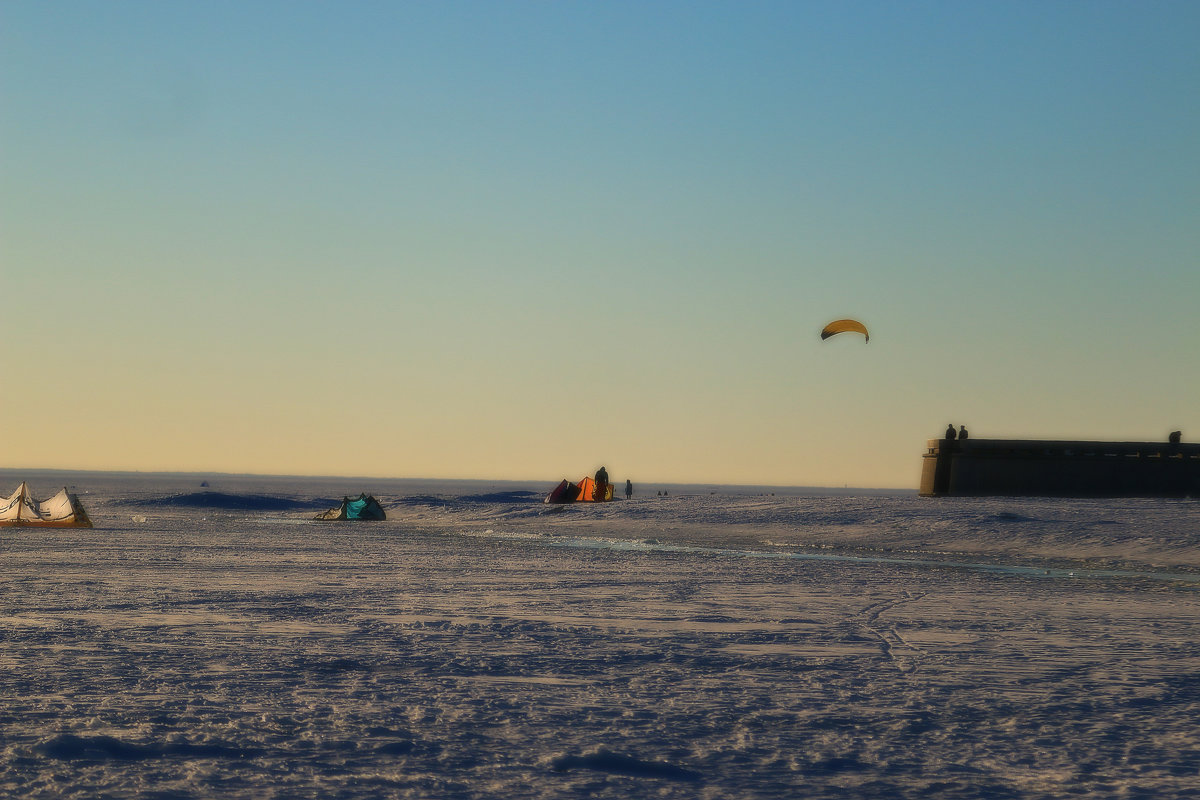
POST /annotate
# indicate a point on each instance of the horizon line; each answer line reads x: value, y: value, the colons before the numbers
x: 219, y: 473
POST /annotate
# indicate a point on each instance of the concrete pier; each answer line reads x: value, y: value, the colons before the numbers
x: 1033, y: 467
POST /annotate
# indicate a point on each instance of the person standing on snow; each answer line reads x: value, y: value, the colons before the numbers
x: 601, y: 484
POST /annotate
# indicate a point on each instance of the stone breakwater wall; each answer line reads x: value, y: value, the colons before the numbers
x: 1033, y: 467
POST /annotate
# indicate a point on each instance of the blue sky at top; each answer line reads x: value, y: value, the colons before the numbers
x: 506, y: 213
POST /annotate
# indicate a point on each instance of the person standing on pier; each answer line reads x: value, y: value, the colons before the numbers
x: 950, y: 434
x: 962, y: 432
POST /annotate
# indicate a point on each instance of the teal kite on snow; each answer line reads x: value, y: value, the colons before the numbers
x: 364, y: 506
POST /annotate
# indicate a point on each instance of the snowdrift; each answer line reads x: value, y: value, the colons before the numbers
x: 222, y: 501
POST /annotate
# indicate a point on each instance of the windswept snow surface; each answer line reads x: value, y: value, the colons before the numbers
x: 716, y: 643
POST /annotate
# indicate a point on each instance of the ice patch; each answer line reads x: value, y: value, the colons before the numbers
x: 69, y: 746
x: 604, y: 760
x: 654, y: 545
x: 1008, y: 516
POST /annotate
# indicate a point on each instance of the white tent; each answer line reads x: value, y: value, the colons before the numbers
x: 60, y: 511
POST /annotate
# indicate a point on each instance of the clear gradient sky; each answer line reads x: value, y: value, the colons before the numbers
x: 523, y: 239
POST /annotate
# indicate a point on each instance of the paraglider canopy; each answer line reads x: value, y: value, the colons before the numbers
x: 844, y: 326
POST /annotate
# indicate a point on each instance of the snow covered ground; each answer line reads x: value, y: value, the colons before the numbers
x: 717, y: 642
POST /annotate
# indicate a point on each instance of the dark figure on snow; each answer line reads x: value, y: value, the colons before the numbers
x: 628, y: 489
x: 962, y: 431
x: 601, y: 483
x: 950, y: 434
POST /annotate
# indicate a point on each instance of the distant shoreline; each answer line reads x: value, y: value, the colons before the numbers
x: 9, y: 474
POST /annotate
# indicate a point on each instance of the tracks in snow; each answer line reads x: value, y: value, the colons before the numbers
x: 889, y: 637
